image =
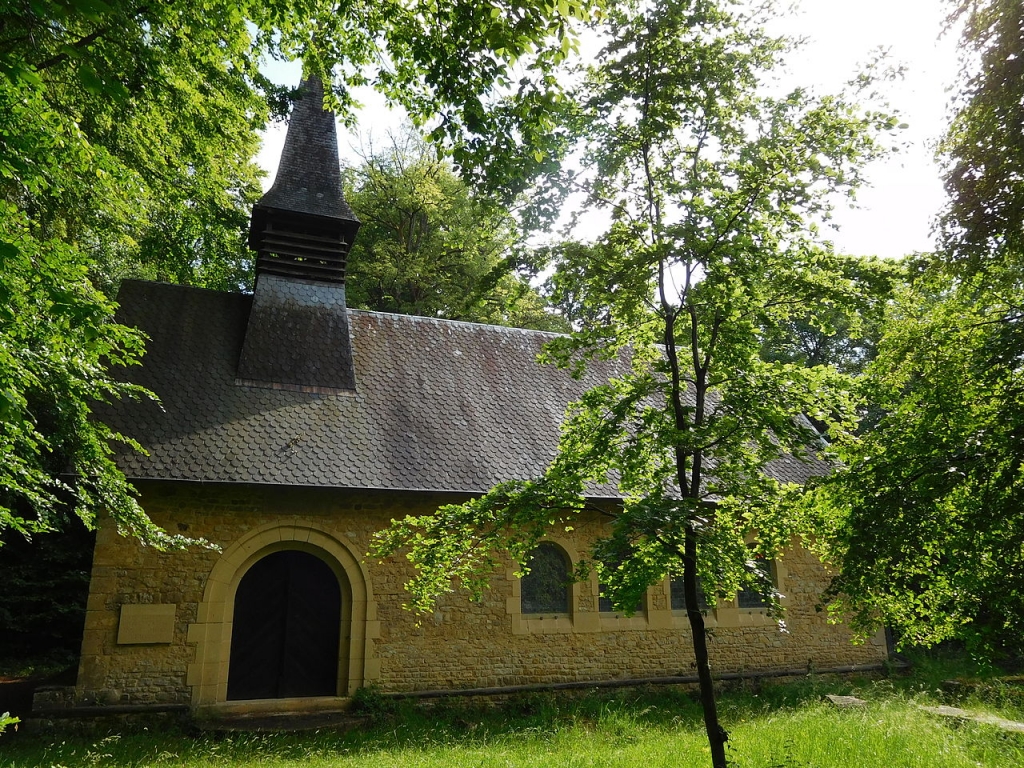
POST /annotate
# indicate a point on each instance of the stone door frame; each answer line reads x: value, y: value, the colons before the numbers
x: 211, y: 632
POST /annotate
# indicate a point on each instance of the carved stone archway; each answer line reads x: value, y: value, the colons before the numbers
x: 211, y: 633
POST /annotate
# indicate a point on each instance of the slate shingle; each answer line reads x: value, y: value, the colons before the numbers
x: 437, y: 406
x: 308, y: 178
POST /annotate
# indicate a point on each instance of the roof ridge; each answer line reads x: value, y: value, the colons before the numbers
x: 352, y: 310
x: 450, y: 321
x: 183, y: 286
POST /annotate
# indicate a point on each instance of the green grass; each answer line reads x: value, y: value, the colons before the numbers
x: 778, y: 725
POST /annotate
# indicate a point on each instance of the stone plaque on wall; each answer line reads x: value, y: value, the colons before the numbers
x: 146, y: 624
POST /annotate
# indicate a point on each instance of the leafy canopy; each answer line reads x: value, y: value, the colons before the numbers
x: 128, y: 132
x: 982, y: 153
x: 925, y: 515
x: 430, y: 246
x: 838, y: 337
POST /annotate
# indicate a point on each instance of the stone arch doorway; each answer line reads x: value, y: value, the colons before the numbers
x: 286, y: 629
x: 212, y: 632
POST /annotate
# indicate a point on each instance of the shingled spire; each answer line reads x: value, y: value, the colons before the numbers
x: 297, y: 337
x: 302, y: 227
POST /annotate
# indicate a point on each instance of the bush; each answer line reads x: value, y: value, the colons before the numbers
x: 6, y: 720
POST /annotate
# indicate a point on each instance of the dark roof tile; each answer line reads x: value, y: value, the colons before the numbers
x: 438, y: 405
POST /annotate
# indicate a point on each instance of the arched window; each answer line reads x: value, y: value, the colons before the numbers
x: 679, y: 596
x: 546, y: 587
x: 758, y: 598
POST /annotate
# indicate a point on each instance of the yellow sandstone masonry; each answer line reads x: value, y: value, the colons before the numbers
x: 461, y: 645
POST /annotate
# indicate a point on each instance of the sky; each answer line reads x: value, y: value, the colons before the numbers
x: 894, y: 213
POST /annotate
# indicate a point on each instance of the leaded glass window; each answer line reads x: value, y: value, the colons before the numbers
x: 546, y: 586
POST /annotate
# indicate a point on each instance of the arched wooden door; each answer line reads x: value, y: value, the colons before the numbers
x: 285, y: 630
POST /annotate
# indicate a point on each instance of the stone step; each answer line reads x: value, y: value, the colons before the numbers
x: 962, y: 714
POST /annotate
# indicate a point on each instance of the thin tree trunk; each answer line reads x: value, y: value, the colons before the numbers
x: 717, y: 735
x: 689, y: 488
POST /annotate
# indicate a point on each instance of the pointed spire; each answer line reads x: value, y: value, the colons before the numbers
x: 297, y: 336
x: 302, y: 227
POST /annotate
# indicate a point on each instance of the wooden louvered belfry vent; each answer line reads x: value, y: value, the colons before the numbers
x: 302, y: 250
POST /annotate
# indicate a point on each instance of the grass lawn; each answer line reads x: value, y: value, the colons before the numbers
x: 775, y: 726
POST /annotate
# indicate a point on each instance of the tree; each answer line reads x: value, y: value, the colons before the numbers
x: 712, y: 188
x: 843, y: 339
x: 104, y: 129
x: 429, y: 246
x: 983, y: 150
x: 924, y: 519
x: 128, y: 135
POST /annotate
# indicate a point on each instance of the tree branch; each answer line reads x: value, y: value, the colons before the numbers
x: 85, y: 42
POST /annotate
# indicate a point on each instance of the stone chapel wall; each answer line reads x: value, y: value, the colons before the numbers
x: 152, y: 633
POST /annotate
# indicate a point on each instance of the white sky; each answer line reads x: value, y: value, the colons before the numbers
x: 895, y: 212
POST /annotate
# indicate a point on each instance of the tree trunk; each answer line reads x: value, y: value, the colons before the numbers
x: 689, y: 487
x: 717, y: 735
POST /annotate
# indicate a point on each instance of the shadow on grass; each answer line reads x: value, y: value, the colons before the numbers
x: 538, y: 725
x: 401, y: 731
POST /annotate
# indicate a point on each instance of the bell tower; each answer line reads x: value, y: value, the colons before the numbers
x: 297, y: 337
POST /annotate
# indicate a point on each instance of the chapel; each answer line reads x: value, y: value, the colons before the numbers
x: 290, y: 428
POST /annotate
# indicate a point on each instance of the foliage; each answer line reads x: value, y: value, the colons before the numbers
x: 108, y: 124
x: 6, y: 720
x: 151, y: 113
x: 371, y: 703
x: 842, y: 339
x: 926, y: 513
x: 925, y: 518
x: 712, y: 189
x: 429, y: 246
x: 54, y: 346
x: 983, y: 149
x: 128, y: 132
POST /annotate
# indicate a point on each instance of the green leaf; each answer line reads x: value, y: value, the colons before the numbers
x: 89, y: 79
x: 94, y: 10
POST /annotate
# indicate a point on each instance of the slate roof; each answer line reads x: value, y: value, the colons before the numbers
x: 438, y: 405
x: 308, y: 176
x: 297, y: 337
